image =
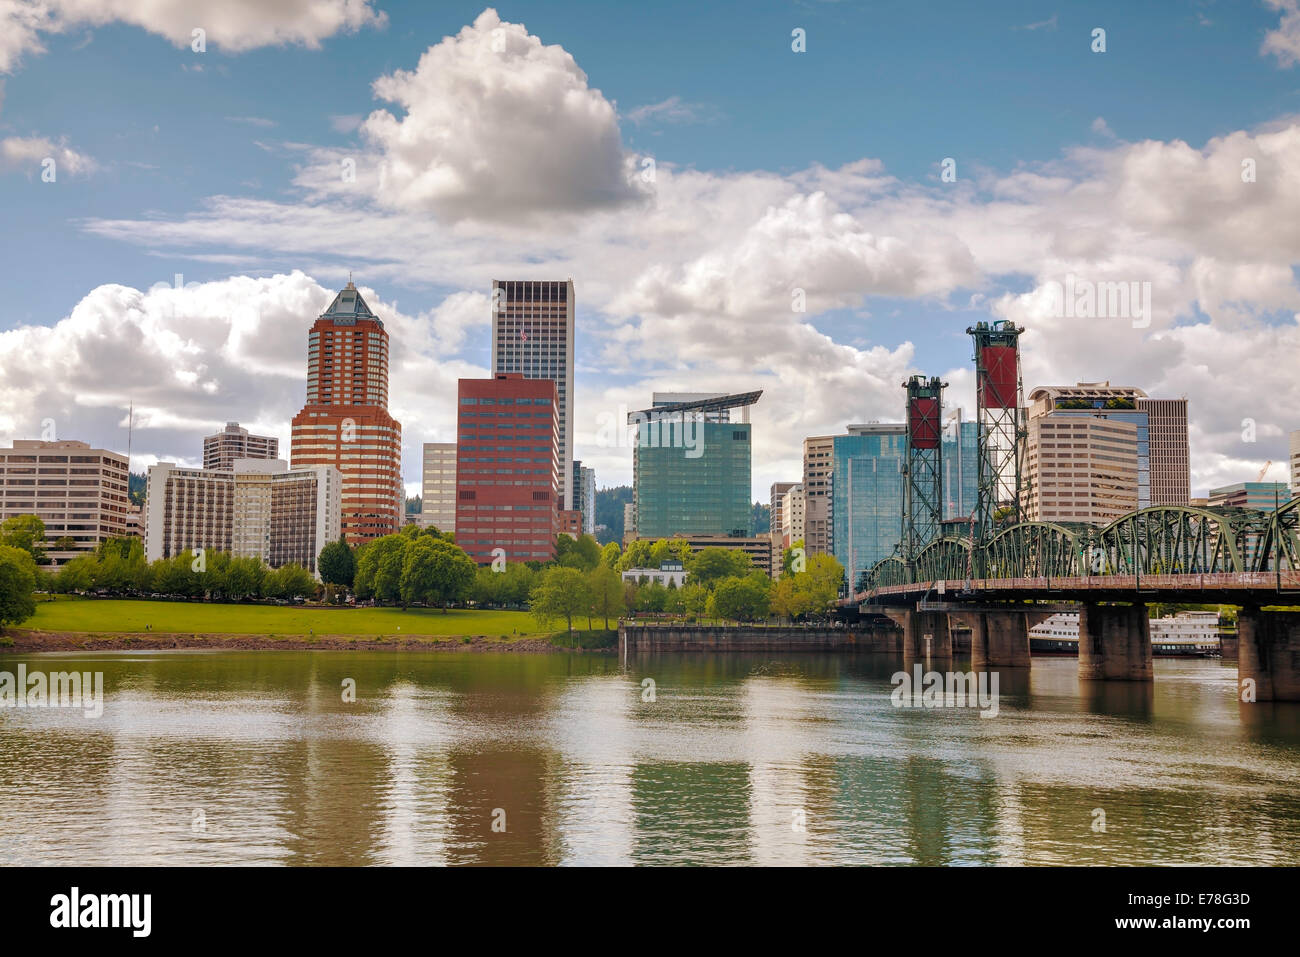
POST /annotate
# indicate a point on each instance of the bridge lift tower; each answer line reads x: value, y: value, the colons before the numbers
x: 922, y: 466
x: 1002, y: 429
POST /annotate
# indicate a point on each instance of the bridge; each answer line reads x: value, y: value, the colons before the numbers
x: 994, y: 571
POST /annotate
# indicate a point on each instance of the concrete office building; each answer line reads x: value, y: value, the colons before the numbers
x: 629, y: 522
x: 438, y: 486
x: 1295, y: 462
x: 1082, y: 468
x: 1170, y: 469
x: 792, y: 517
x: 221, y: 450
x: 508, y: 468
x: 692, y: 465
x: 345, y: 423
x: 260, y: 508
x: 757, y: 547
x: 818, y: 454
x: 532, y: 334
x: 776, y: 516
x: 79, y: 493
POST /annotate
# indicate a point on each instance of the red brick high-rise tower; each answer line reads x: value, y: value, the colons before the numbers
x: 345, y: 422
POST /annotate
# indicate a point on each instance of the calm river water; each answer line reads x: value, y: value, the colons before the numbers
x: 255, y: 758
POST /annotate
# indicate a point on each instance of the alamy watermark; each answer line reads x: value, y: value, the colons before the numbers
x: 1083, y: 299
x: 946, y: 689
x: 58, y: 689
x: 652, y: 430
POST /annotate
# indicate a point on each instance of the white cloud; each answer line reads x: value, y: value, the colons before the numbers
x: 28, y: 154
x: 1284, y: 42
x: 230, y: 25
x: 494, y: 125
x: 671, y: 110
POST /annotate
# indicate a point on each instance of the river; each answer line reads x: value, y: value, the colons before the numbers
x: 256, y: 758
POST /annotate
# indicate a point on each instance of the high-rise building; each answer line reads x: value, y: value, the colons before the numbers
x: 584, y: 500
x: 960, y: 464
x: 507, y: 468
x: 438, y: 486
x: 792, y: 517
x: 867, y: 495
x: 532, y: 334
x: 1083, y: 468
x: 79, y: 493
x: 221, y: 450
x: 1295, y: 462
x: 776, y: 517
x: 818, y: 453
x: 259, y: 508
x: 345, y: 422
x: 692, y: 465
x: 1170, y: 471
x: 629, y: 521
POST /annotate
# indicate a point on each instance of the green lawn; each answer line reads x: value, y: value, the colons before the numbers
x: 111, y: 615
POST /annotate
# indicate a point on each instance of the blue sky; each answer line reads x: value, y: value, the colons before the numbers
x: 1044, y: 131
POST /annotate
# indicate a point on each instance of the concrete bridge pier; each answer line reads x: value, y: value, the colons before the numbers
x: 998, y: 639
x: 1114, y: 642
x: 925, y: 633
x: 1268, y: 655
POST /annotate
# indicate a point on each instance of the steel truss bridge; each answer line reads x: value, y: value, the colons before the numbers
x: 1149, y: 554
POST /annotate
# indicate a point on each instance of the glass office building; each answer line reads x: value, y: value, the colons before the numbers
x: 867, y: 495
x: 960, y: 466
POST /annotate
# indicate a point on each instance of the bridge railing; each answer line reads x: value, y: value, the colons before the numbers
x: 1284, y: 581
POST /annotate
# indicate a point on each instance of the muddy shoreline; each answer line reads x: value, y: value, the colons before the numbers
x: 25, y: 641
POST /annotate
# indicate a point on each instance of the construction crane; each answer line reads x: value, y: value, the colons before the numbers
x: 1264, y: 471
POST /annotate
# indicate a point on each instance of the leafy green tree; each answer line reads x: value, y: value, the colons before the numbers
x: 434, y: 570
x: 17, y: 585
x: 379, y: 567
x: 610, y: 555
x: 337, y: 563
x: 745, y: 598
x: 582, y: 553
x: 121, y: 567
x: 562, y: 593
x: 788, y: 557
x: 244, y: 578
x: 26, y: 532
x: 606, y: 587
x: 651, y: 597
x: 77, y: 575
x: 789, y: 598
x: 638, y: 554
x: 710, y: 565
x: 694, y: 599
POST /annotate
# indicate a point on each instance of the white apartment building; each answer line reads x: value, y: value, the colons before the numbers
x: 258, y: 509
x: 792, y: 516
x: 438, y: 487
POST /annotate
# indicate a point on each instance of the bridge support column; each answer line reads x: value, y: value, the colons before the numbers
x: 1114, y: 643
x: 926, y: 635
x: 1268, y: 655
x: 998, y: 639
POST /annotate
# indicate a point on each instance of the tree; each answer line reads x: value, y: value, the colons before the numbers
x: 379, y: 566
x: 606, y: 588
x: 77, y: 575
x: 244, y: 578
x: 17, y: 585
x: 788, y: 557
x: 563, y: 593
x: 26, y: 532
x: 710, y: 565
x: 695, y: 600
x: 582, y: 553
x: 176, y: 575
x: 743, y: 599
x: 789, y: 599
x: 337, y: 563
x: 434, y: 570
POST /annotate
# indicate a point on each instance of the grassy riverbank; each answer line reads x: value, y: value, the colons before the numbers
x: 115, y: 623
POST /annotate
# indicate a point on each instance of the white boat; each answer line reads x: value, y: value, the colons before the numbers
x: 1191, y: 634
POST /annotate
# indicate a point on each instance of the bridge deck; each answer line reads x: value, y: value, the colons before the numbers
x: 1253, y: 588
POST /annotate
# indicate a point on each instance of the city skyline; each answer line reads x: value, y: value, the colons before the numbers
x: 247, y: 202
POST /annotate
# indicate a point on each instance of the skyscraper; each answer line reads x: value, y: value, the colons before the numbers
x: 532, y: 334
x: 507, y: 468
x: 222, y: 449
x: 867, y: 495
x: 692, y: 464
x: 345, y: 422
x: 1170, y: 471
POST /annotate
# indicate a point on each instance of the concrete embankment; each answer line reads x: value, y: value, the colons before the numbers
x: 872, y: 636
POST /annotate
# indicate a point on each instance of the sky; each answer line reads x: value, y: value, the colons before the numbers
x: 815, y: 199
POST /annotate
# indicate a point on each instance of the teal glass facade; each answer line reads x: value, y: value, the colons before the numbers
x: 693, y: 479
x: 960, y: 470
x: 866, y: 498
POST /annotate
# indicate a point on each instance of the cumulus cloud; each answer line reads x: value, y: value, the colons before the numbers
x: 493, y: 125
x: 231, y: 25
x: 1284, y: 42
x: 29, y: 153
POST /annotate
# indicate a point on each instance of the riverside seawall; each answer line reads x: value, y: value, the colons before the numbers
x: 872, y: 637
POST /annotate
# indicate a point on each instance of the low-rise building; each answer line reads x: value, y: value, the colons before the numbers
x: 669, y: 572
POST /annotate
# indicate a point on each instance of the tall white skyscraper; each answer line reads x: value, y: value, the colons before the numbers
x: 532, y: 333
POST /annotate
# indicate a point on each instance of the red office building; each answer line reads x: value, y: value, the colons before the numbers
x: 507, y: 468
x: 345, y: 422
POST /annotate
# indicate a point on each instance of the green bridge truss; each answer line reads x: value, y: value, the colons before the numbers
x: 1160, y: 540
